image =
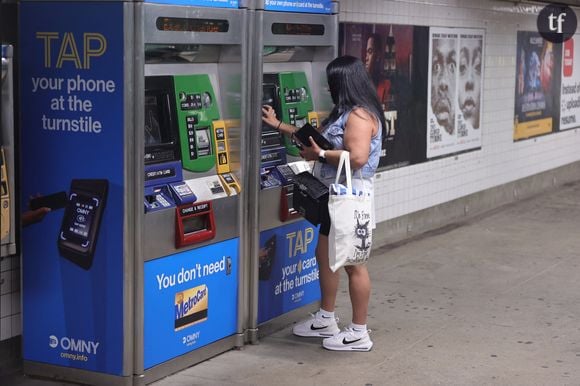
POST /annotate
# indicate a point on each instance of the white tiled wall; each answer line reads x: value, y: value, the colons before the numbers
x: 501, y: 160
x: 9, y: 298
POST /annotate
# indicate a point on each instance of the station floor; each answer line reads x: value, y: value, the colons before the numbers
x: 494, y: 300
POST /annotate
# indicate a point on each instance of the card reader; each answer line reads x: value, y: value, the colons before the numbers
x: 157, y: 197
x: 77, y: 238
x: 182, y: 193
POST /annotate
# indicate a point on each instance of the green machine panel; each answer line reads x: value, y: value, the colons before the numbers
x: 196, y: 110
x: 295, y: 103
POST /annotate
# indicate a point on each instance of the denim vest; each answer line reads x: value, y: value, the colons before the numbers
x: 334, y: 133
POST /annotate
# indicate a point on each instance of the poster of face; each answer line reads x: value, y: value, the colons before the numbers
x: 395, y: 57
x: 537, y: 95
x: 454, y: 91
x: 570, y: 96
x: 469, y: 87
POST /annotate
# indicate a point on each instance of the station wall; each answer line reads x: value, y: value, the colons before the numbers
x: 502, y: 161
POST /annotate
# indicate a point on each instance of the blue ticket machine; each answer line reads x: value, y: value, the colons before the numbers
x: 132, y: 127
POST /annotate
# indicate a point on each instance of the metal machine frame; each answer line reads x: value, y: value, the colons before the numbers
x: 228, y: 226
x: 319, y: 50
x: 7, y: 141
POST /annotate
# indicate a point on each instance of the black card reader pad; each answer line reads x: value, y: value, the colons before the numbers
x: 78, y: 233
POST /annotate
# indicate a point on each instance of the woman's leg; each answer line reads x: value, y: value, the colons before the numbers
x: 356, y: 336
x: 328, y: 279
x: 359, y: 287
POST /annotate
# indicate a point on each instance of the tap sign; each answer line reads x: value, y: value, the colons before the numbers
x: 287, y: 269
x: 72, y: 66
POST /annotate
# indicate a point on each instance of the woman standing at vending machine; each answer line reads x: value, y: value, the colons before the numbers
x: 355, y: 124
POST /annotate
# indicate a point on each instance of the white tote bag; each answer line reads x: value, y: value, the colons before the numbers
x: 350, y: 237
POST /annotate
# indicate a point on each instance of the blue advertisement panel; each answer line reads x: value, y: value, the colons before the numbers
x: 72, y: 184
x: 190, y: 300
x: 288, y: 272
x: 312, y: 6
x: 200, y: 3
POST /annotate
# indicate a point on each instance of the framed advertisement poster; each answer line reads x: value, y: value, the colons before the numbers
x: 395, y: 57
x: 537, y: 92
x: 455, y: 90
x: 570, y: 95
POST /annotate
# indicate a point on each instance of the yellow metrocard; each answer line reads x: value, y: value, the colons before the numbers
x: 222, y: 150
x: 191, y: 307
x: 313, y: 119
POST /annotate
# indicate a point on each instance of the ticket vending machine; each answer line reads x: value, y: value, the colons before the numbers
x: 192, y: 127
x: 293, y: 45
x: 7, y: 158
x: 134, y: 127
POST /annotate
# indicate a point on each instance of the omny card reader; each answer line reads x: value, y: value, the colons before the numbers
x: 77, y: 238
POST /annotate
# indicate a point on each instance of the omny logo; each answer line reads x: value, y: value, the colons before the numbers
x: 557, y: 23
x: 53, y: 341
x: 191, y: 339
x: 75, y: 345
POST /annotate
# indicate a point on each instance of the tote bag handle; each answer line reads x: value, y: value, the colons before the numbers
x: 344, y: 162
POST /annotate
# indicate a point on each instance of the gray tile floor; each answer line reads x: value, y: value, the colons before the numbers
x: 492, y: 301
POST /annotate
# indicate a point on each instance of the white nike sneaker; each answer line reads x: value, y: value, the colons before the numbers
x: 349, y: 340
x: 317, y: 326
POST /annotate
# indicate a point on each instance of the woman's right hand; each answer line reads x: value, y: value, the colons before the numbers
x: 269, y: 116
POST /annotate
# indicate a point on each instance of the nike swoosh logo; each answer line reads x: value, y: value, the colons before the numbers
x: 317, y: 328
x: 344, y: 341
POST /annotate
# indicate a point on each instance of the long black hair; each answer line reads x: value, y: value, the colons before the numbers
x: 351, y: 86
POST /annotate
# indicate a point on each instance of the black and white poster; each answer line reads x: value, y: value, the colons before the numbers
x: 455, y: 82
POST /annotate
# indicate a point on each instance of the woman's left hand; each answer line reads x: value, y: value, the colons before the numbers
x: 310, y: 153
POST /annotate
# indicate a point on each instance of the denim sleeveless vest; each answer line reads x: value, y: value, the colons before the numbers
x: 334, y: 133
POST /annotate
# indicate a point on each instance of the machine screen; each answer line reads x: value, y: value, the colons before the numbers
x: 152, y: 122
x: 269, y: 96
x: 157, y: 119
x: 79, y: 220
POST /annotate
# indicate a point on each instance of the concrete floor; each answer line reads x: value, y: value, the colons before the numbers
x: 491, y: 301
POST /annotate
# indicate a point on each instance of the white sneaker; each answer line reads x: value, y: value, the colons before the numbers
x: 349, y: 340
x: 317, y: 326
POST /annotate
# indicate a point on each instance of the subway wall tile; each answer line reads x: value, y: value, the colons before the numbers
x: 501, y: 160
